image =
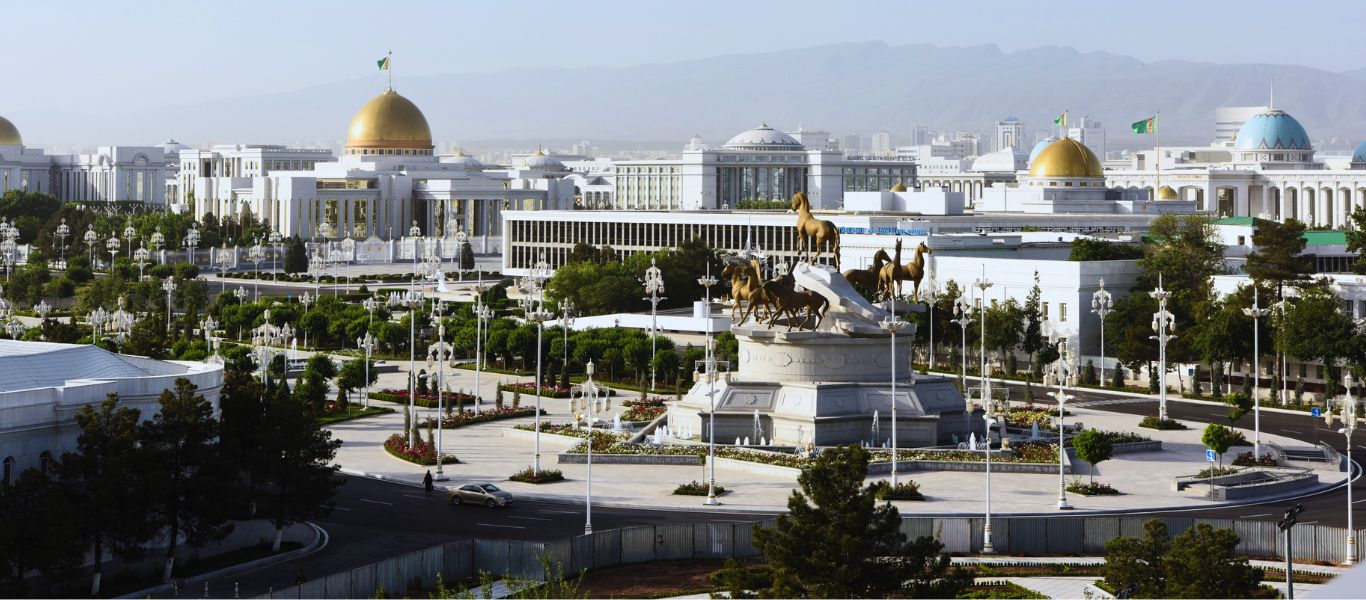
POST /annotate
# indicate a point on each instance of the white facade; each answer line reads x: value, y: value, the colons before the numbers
x: 110, y: 173
x: 1009, y: 134
x: 1090, y: 133
x: 42, y: 385
x: 881, y: 144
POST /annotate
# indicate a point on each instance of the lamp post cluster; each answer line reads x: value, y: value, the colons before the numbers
x: 709, y: 364
x: 1163, y: 322
x: 1101, y: 303
x: 409, y: 300
x: 654, y: 286
x: 439, y: 353
x: 534, y: 309
x: 1060, y: 372
x: 1257, y: 312
x: 265, y: 338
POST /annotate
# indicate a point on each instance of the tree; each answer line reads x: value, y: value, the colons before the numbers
x: 838, y: 541
x: 1138, y: 564
x: 1314, y: 328
x: 1089, y: 249
x: 1094, y: 448
x: 296, y: 255
x: 148, y: 338
x: 1185, y: 254
x: 1117, y: 377
x: 1203, y: 563
x: 1032, y: 338
x: 37, y: 531
x: 312, y: 386
x: 466, y: 256
x: 188, y: 484
x: 108, y: 513
x: 1218, y: 438
x: 1004, y: 327
x: 352, y: 375
x: 1239, y: 404
x: 242, y: 429
x: 298, y: 475
x: 1356, y: 239
x: 1279, y: 258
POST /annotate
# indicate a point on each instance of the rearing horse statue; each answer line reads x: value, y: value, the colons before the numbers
x: 869, y: 275
x: 810, y: 229
x: 894, y: 273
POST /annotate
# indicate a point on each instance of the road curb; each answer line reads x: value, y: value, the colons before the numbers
x: 320, y: 541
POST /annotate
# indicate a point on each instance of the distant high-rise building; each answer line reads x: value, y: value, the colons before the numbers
x: 814, y: 139
x: 583, y: 148
x: 1228, y: 119
x: 882, y: 144
x: 1089, y: 132
x: 852, y: 144
x: 920, y: 135
x: 1009, y: 134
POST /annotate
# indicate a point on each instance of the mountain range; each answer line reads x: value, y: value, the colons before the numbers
x: 841, y: 88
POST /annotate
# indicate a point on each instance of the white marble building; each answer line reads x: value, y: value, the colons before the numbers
x: 110, y: 173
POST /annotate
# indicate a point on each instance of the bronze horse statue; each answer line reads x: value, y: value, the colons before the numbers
x: 868, y: 277
x: 791, y: 302
x: 746, y: 285
x: 893, y: 273
x: 814, y: 231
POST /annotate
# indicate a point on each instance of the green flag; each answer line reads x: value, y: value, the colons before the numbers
x: 384, y: 64
x: 1148, y: 125
x: 1061, y: 121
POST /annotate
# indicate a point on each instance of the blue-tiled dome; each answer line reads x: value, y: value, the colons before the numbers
x: 1272, y: 130
x: 1040, y: 146
x: 1359, y: 155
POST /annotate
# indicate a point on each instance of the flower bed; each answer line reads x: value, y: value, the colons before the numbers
x: 527, y: 475
x: 1021, y: 452
x: 696, y: 488
x: 469, y: 417
x: 1119, y: 437
x: 421, y: 454
x: 1094, y: 488
x: 1246, y: 460
x: 905, y: 490
x: 1026, y: 417
x: 1215, y: 472
x: 547, y: 391
x: 423, y: 400
x: 1151, y: 422
x: 642, y: 413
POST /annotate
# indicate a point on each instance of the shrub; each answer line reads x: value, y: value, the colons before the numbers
x: 1093, y: 448
x: 1094, y: 488
x: 695, y: 488
x: 528, y: 475
x: 422, y: 454
x: 1246, y: 460
x: 1215, y: 472
x: 1152, y: 422
x: 904, y: 490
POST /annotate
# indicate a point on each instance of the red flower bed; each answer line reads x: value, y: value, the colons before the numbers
x: 469, y: 417
x: 550, y: 391
x: 421, y: 453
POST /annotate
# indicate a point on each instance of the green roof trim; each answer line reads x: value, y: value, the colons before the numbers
x: 1237, y: 221
x: 1325, y: 238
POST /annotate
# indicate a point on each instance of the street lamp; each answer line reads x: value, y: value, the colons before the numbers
x: 457, y: 258
x: 1060, y: 372
x: 1163, y: 321
x: 141, y: 256
x: 441, y: 352
x: 122, y: 323
x: 654, y: 285
x: 414, y: 232
x: 98, y: 319
x: 963, y: 310
x: 191, y: 242
x: 482, y: 315
x: 1257, y: 312
x: 157, y: 241
x: 893, y: 325
x: 588, y: 500
x: 208, y: 325
x: 366, y: 344
x: 264, y: 338
x: 169, y: 286
x: 112, y: 245
x: 1281, y: 307
x: 129, y: 233
x: 710, y: 365
x: 539, y: 315
x: 1100, y: 305
x: 1349, y: 426
x: 983, y: 285
x: 929, y: 297
x: 410, y: 300
x: 224, y: 262
x: 42, y: 308
x: 256, y: 254
x: 986, y: 527
x: 275, y: 240
x: 566, y: 321
x: 63, y: 230
x: 91, y: 238
x: 335, y: 258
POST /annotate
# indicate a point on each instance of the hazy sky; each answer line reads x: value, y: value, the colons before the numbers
x: 70, y: 55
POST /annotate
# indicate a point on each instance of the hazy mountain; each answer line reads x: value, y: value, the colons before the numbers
x: 840, y: 88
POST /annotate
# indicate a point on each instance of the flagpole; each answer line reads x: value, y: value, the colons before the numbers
x: 1157, y: 133
x: 389, y: 66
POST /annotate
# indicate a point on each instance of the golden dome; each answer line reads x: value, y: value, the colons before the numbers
x: 899, y: 187
x: 389, y: 121
x: 1167, y: 193
x: 1065, y: 159
x: 9, y: 134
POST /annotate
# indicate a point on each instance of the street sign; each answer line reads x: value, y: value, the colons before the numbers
x: 1316, y: 412
x: 1211, y: 456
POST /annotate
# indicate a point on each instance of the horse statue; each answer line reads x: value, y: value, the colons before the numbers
x: 747, y: 286
x: 893, y: 273
x: 868, y: 276
x: 810, y: 229
x: 790, y: 302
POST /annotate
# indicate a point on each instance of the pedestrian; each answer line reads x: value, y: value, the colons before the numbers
x: 427, y: 482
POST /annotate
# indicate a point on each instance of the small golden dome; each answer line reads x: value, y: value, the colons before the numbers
x: 1066, y: 159
x: 899, y: 187
x: 1167, y: 193
x: 389, y: 121
x: 9, y: 134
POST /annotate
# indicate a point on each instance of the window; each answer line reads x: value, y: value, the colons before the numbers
x: 45, y: 463
x: 1045, y: 311
x: 9, y: 470
x: 1062, y: 312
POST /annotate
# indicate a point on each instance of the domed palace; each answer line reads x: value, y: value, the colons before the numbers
x: 387, y: 181
x: 1067, y: 177
x: 110, y: 173
x: 1269, y: 169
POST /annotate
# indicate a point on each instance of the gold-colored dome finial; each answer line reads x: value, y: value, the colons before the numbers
x: 389, y: 121
x: 1066, y: 159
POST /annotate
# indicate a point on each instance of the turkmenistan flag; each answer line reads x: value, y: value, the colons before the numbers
x: 1148, y: 125
x: 384, y: 64
x: 1061, y: 121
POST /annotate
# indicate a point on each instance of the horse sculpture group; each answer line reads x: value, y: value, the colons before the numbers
x: 776, y: 297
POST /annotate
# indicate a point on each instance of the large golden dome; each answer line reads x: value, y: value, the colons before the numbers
x: 1065, y: 159
x: 1167, y: 193
x: 389, y: 121
x: 9, y: 134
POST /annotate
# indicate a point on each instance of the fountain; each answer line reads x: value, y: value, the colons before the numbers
x: 746, y: 441
x: 972, y: 441
x: 1034, y: 431
x: 877, y: 428
x: 616, y: 423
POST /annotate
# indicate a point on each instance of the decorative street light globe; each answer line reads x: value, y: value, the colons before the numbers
x: 63, y: 230
x: 91, y: 238
x: 141, y: 257
x: 169, y: 286
x: 129, y: 233
x: 113, y: 245
x: 157, y: 240
x: 191, y: 242
x: 43, y: 309
x: 276, y: 240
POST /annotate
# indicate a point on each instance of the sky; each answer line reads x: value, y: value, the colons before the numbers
x: 68, y: 55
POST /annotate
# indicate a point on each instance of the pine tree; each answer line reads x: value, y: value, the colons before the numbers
x: 299, y: 479
x: 37, y: 531
x: 1117, y: 376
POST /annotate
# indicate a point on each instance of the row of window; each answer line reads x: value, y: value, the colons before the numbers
x: 46, y: 464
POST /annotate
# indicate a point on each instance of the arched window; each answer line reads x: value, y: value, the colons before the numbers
x: 9, y: 469
x: 45, y: 463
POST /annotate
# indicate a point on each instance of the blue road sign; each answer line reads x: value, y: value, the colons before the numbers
x: 1316, y: 412
x: 1211, y: 456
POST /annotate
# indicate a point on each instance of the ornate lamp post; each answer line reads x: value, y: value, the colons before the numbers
x: 91, y: 238
x: 306, y: 300
x: 122, y: 323
x: 366, y: 344
x: 63, y: 230
x: 98, y: 319
x: 224, y: 262
x: 482, y: 315
x: 275, y: 240
x: 710, y: 365
x: 191, y: 242
x: 8, y: 255
x: 441, y: 352
x: 410, y: 300
x: 983, y: 285
x: 112, y: 245
x: 929, y: 297
x: 1349, y: 426
x: 1163, y: 321
x: 414, y: 232
x: 1257, y: 312
x: 962, y: 309
x: 588, y: 500
x: 264, y: 339
x: 169, y: 286
x: 15, y: 329
x: 157, y: 241
x: 538, y: 315
x: 986, y: 527
x: 315, y: 268
x: 1060, y: 373
x: 207, y: 325
x: 129, y: 233
x: 335, y: 257
x: 141, y: 257
x: 654, y: 285
x: 43, y: 309
x: 1100, y: 305
x: 461, y: 238
x: 566, y: 321
x: 893, y: 325
x: 256, y: 255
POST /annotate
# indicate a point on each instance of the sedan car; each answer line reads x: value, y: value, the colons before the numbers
x: 480, y: 493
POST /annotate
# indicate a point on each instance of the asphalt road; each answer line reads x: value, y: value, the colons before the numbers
x: 376, y: 520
